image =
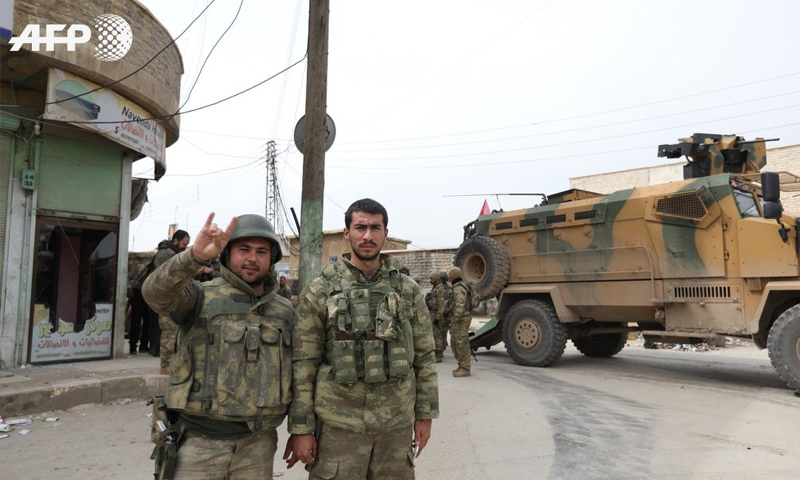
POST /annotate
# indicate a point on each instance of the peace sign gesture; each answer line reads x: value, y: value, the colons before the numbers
x: 211, y: 240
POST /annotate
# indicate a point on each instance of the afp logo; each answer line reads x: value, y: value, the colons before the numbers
x: 111, y: 39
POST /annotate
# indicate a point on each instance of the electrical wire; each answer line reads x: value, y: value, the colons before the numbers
x: 200, y: 72
x: 573, y: 142
x: 579, y: 129
x: 170, y: 116
x: 121, y: 79
x: 575, y: 117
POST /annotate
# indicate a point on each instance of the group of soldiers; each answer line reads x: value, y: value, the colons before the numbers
x: 351, y: 366
x: 451, y: 312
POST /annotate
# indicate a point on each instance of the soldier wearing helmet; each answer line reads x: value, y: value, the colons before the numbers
x: 439, y: 298
x: 230, y: 379
x: 460, y: 320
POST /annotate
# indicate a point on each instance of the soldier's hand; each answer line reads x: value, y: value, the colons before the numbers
x: 302, y: 448
x: 211, y: 240
x: 422, y: 433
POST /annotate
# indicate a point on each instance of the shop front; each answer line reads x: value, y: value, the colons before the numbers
x: 73, y: 305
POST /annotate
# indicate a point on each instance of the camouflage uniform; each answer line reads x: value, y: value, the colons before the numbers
x: 169, y: 330
x: 461, y: 318
x: 364, y: 370
x: 232, y: 371
x: 440, y: 296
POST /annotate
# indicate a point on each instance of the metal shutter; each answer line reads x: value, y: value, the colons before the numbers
x: 77, y: 179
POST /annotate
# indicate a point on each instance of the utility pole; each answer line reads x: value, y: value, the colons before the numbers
x: 314, y: 143
x: 272, y: 185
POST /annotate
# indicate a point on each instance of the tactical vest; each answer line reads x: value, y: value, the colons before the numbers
x: 370, y: 326
x: 234, y: 361
x: 472, y: 301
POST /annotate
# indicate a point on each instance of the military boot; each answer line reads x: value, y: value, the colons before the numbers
x: 461, y: 372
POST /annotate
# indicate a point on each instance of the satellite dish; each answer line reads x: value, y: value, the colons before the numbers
x: 300, y: 133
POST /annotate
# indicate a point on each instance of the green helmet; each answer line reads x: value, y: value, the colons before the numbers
x: 454, y: 273
x: 251, y: 225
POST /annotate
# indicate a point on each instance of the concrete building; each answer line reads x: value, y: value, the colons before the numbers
x: 333, y: 246
x: 73, y: 119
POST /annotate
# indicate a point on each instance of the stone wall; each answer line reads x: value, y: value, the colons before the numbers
x: 421, y: 263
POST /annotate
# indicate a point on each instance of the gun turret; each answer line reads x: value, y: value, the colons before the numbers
x: 711, y: 154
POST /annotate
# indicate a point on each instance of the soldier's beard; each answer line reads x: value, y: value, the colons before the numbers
x: 367, y: 258
x: 258, y: 281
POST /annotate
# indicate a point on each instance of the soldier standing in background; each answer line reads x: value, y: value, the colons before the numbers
x: 167, y: 329
x: 439, y: 298
x: 460, y: 320
x: 365, y: 383
x: 230, y: 381
x: 284, y: 291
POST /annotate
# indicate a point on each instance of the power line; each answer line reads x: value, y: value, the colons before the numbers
x: 121, y: 79
x: 199, y: 73
x: 572, y: 142
x: 578, y: 129
x: 602, y: 112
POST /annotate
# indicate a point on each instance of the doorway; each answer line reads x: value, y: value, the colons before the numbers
x: 73, y: 291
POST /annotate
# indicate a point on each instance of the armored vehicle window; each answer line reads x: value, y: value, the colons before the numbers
x: 747, y: 203
x: 685, y: 205
x: 585, y: 215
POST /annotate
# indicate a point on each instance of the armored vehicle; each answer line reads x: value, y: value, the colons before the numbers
x: 685, y: 261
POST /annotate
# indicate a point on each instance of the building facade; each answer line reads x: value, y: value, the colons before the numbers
x: 72, y: 122
x: 333, y: 246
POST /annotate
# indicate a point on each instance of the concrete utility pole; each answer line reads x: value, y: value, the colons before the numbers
x: 314, y: 143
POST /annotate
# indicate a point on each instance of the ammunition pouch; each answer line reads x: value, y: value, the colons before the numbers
x: 167, y: 433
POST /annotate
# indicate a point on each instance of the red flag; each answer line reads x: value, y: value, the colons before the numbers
x: 485, y: 209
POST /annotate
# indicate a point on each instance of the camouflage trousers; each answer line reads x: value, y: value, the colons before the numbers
x: 440, y: 337
x: 169, y: 333
x: 206, y: 458
x: 346, y: 455
x: 459, y: 341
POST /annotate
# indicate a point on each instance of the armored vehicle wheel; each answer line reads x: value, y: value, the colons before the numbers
x: 783, y: 344
x: 484, y: 263
x: 601, y: 344
x: 533, y: 335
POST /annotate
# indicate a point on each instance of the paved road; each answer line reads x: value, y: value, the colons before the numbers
x: 645, y: 414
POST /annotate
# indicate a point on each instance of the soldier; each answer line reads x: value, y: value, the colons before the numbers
x: 365, y: 384
x: 284, y: 290
x: 167, y: 330
x: 460, y: 320
x: 230, y: 381
x: 439, y: 297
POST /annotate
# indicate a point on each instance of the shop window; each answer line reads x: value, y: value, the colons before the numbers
x: 74, y: 291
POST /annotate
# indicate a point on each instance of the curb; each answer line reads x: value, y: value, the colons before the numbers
x: 79, y: 392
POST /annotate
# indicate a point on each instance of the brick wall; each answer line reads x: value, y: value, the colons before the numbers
x: 421, y: 263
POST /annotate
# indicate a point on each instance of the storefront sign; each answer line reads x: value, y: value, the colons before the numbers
x: 65, y: 344
x: 72, y: 99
